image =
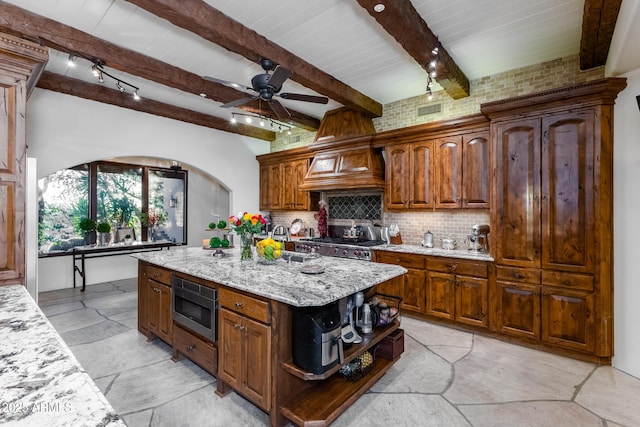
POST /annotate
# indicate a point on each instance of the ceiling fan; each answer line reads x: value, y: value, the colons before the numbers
x: 266, y: 86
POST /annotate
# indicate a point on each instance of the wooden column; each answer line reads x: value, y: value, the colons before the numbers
x: 19, y: 60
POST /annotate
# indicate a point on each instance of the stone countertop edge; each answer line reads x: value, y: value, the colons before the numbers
x: 43, y: 384
x: 281, y: 282
x: 421, y: 250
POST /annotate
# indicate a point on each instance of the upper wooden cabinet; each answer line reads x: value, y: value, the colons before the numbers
x: 18, y: 60
x: 409, y: 176
x: 280, y: 181
x: 462, y: 167
x: 545, y: 192
x: 552, y: 215
x: 437, y: 165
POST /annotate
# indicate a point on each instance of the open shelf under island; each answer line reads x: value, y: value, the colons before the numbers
x: 252, y: 354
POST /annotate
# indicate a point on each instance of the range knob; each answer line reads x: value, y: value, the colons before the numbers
x: 357, y: 252
x: 345, y: 253
x: 336, y: 251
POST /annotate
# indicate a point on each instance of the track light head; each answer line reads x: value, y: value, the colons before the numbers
x: 135, y: 95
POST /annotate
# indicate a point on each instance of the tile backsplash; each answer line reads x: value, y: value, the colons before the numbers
x: 455, y: 223
x: 359, y: 207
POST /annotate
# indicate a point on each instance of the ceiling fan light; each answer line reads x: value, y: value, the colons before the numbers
x: 379, y: 7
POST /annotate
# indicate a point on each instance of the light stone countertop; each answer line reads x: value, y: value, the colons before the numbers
x: 42, y: 382
x: 281, y: 282
x: 421, y: 250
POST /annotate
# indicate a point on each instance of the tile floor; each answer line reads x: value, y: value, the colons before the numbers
x: 445, y: 377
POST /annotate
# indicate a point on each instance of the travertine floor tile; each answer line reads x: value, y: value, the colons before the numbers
x: 417, y: 371
x: 538, y: 414
x: 122, y: 352
x: 431, y: 334
x: 141, y: 419
x: 74, y: 320
x: 93, y: 333
x: 152, y: 385
x: 52, y: 310
x: 613, y: 395
x: 401, y: 410
x: 497, y: 372
x: 231, y: 410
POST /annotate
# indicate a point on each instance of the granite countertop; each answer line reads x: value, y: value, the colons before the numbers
x: 421, y: 250
x: 282, y: 281
x: 42, y: 382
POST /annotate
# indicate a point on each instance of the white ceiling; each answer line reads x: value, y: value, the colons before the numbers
x: 484, y: 37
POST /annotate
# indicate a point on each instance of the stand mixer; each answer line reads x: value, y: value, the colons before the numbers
x: 478, y: 240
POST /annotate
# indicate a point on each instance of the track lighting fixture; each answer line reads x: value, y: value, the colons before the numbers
x: 433, y: 66
x: 98, y: 71
x: 262, y: 120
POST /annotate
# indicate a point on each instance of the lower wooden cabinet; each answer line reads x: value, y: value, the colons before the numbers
x: 458, y: 297
x: 154, y: 303
x: 568, y: 319
x: 411, y: 287
x: 244, y: 347
x: 518, y: 309
x: 204, y: 353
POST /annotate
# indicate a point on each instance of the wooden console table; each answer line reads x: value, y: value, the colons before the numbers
x: 80, y: 253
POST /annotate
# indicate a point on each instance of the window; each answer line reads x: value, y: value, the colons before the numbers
x: 123, y: 195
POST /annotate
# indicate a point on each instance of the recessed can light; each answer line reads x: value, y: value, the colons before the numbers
x: 379, y: 7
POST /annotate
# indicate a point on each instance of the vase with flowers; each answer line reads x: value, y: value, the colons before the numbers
x: 152, y: 220
x: 245, y: 225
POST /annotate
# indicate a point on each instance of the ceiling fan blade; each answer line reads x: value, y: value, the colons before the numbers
x: 280, y: 74
x: 238, y: 102
x: 279, y: 109
x: 227, y: 83
x: 307, y: 98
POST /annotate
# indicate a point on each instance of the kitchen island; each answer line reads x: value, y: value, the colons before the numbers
x: 253, y: 351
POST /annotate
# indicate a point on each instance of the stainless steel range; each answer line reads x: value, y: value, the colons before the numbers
x: 339, y: 247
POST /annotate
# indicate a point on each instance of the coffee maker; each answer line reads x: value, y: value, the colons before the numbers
x: 478, y: 240
x: 316, y: 336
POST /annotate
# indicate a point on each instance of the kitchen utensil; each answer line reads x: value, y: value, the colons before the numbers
x: 348, y: 333
x: 393, y: 230
x: 478, y: 240
x: 448, y: 243
x: 358, y: 300
x: 427, y: 240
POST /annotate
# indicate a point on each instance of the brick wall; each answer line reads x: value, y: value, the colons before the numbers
x: 457, y: 223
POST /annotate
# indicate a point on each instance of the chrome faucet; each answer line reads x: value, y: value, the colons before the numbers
x: 284, y: 232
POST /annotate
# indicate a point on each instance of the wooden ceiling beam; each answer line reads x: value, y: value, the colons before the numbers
x: 200, y: 18
x: 401, y: 20
x: 56, y: 35
x: 598, y: 22
x: 100, y: 93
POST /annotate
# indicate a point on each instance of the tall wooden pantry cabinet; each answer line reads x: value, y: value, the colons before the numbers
x: 19, y: 60
x: 552, y: 216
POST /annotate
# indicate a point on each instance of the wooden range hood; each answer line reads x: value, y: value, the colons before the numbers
x: 343, y: 156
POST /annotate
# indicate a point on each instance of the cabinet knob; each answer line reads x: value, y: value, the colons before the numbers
x: 566, y: 282
x: 452, y: 267
x: 190, y: 348
x: 516, y: 275
x: 237, y: 304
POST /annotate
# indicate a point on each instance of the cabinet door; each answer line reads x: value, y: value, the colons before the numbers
x: 230, y: 343
x: 472, y: 301
x: 567, y: 319
x: 517, y: 211
x: 441, y: 295
x: 449, y: 172
x: 413, y: 292
x: 475, y: 170
x: 143, y: 300
x: 264, y: 187
x: 301, y: 197
x: 397, y: 176
x: 288, y: 189
x: 153, y: 313
x: 421, y: 175
x: 518, y: 309
x: 568, y: 206
x: 12, y: 179
x: 257, y: 363
x: 165, y: 316
x: 275, y: 187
